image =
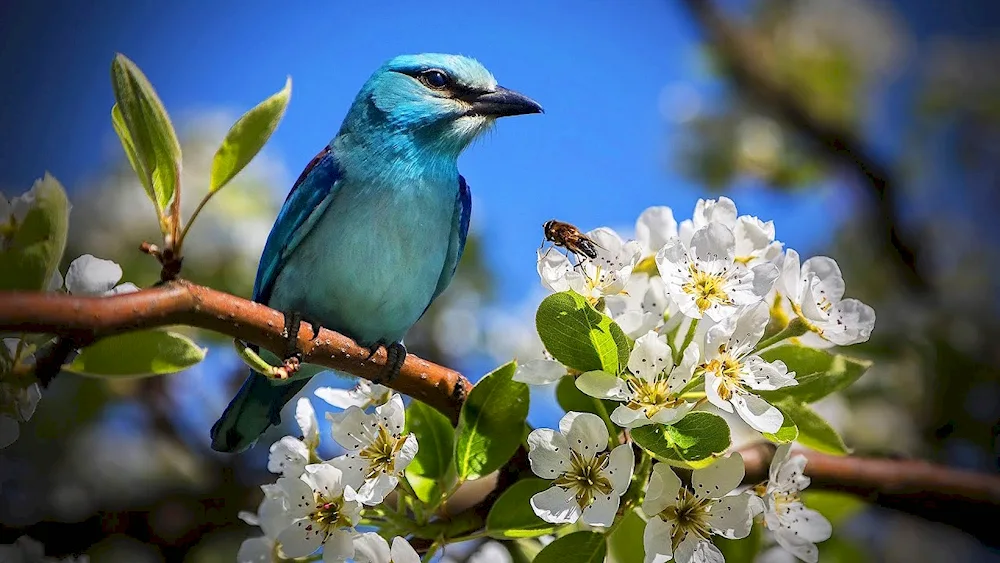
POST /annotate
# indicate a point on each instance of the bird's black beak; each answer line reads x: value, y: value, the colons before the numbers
x: 503, y: 102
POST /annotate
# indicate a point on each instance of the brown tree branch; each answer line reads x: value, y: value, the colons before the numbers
x: 962, y: 499
x: 739, y: 55
x: 85, y: 320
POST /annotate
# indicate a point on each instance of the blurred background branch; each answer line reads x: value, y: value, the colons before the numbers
x: 740, y: 56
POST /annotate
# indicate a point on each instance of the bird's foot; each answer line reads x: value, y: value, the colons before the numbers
x: 293, y: 356
x: 395, y: 357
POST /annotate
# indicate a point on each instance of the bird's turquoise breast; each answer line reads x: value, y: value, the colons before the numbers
x: 372, y: 263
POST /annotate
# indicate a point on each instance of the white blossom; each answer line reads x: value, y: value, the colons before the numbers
x: 795, y: 527
x: 704, y: 278
x: 88, y: 275
x: 650, y: 389
x: 602, y: 276
x: 588, y: 481
x: 363, y: 395
x: 372, y: 548
x: 272, y: 519
x: 289, y: 456
x: 17, y: 401
x: 815, y: 293
x: 732, y: 370
x: 655, y: 226
x: 754, y: 239
x: 707, y: 211
x: 642, y: 306
x: 377, y: 450
x: 682, y: 520
x: 317, y: 514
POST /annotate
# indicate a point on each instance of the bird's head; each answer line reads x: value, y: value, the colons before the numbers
x: 444, y: 101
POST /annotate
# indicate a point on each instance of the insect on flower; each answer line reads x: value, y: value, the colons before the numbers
x: 569, y: 237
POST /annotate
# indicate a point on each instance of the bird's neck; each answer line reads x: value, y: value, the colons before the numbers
x: 375, y: 149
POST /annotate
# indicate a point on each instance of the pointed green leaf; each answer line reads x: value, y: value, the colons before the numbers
x: 118, y: 122
x: 150, y: 134
x: 787, y: 433
x: 692, y: 442
x: 247, y: 136
x: 31, y: 253
x: 436, y: 440
x: 512, y: 516
x: 489, y: 426
x: 579, y: 336
x: 814, y: 432
x: 817, y: 372
x: 578, y: 547
x: 137, y: 354
x: 625, y: 544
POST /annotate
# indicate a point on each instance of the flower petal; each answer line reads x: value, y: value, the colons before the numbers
x: 302, y: 538
x: 757, y: 412
x: 305, y: 416
x: 298, y: 496
x: 621, y: 463
x: 552, y: 269
x: 585, y: 432
x: 325, y: 479
x: 650, y: 357
x: 713, y: 384
x: 731, y: 516
x: 403, y: 552
x: 602, y: 511
x: 392, y: 414
x: 556, y: 505
x: 375, y: 489
x: 353, y: 469
x: 850, y: 322
x: 714, y: 242
x: 627, y: 417
x: 654, y: 227
x: 338, y: 547
x: 539, y: 372
x: 288, y: 457
x: 602, y: 385
x: 662, y: 489
x: 718, y: 479
x: 371, y: 548
x: 88, y: 275
x: 695, y: 549
x: 256, y: 550
x: 406, y: 453
x: 548, y: 453
x: 657, y: 540
x: 350, y: 428
x: 797, y: 546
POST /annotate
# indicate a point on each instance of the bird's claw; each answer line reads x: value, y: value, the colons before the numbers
x: 395, y: 357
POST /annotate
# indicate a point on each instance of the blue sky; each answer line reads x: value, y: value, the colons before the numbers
x: 597, y: 157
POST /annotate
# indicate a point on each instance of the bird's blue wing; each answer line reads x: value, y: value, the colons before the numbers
x: 310, y: 196
x: 459, y: 232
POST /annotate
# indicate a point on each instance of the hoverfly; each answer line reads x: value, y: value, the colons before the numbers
x: 569, y: 237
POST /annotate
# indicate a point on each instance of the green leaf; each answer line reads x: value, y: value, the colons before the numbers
x: 625, y: 543
x: 579, y: 336
x: 137, y: 354
x: 512, y: 515
x: 692, y: 442
x: 33, y: 250
x: 814, y: 432
x: 436, y: 439
x: 489, y: 426
x: 817, y: 372
x: 118, y: 122
x: 156, y: 151
x: 787, y: 433
x: 247, y: 136
x: 578, y: 547
x: 740, y: 551
x: 570, y: 398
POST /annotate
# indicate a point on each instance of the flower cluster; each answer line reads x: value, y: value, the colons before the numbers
x: 705, y: 304
x: 318, y: 504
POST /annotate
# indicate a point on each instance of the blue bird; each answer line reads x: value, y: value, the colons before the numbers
x: 373, y: 229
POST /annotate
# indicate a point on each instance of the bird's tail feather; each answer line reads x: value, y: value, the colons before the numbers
x: 255, y: 408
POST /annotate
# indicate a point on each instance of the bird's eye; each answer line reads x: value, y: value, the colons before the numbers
x: 435, y: 79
